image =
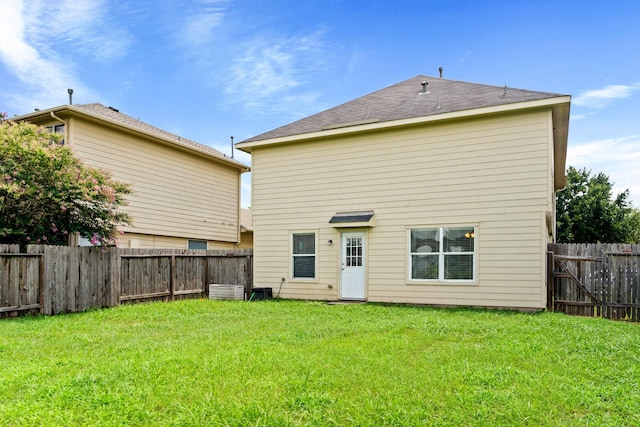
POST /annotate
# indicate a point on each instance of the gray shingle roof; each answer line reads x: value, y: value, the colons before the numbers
x: 246, y: 219
x: 114, y: 117
x: 406, y: 100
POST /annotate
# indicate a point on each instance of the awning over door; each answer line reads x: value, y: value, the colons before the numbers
x: 353, y: 219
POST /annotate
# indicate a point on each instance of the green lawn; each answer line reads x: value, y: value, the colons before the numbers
x: 287, y: 363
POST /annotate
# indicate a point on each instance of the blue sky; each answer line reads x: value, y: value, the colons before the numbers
x: 211, y: 69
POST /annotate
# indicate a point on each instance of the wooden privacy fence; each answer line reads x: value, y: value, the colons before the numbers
x: 21, y: 276
x: 57, y: 279
x: 601, y: 280
x: 146, y: 274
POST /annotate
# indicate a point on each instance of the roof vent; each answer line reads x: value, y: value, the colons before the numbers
x: 113, y: 109
x: 505, y: 94
x: 425, y: 88
x: 70, y: 92
x: 440, y: 71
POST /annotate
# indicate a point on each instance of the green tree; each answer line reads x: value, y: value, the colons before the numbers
x: 46, y: 193
x: 586, y: 212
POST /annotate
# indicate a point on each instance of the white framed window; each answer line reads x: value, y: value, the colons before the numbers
x: 303, y: 255
x: 56, y: 129
x: 442, y: 254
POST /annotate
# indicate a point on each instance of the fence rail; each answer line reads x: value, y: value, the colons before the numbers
x: 601, y: 280
x: 58, y: 279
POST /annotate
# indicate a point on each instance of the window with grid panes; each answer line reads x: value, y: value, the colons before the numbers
x: 304, y: 255
x: 442, y: 253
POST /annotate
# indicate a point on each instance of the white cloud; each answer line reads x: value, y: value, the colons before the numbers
x: 87, y: 27
x: 464, y: 57
x: 616, y: 157
x: 271, y: 75
x: 600, y: 98
x: 26, y: 62
x: 193, y: 26
x: 199, y: 28
x: 264, y: 71
x: 581, y: 116
x: 41, y: 42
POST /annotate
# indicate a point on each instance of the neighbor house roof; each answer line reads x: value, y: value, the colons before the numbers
x: 246, y: 219
x: 114, y: 117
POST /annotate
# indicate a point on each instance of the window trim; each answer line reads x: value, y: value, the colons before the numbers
x: 292, y: 256
x: 59, y: 128
x: 441, y: 255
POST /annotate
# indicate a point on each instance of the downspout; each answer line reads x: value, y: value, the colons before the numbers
x: 73, y: 238
x: 239, y: 238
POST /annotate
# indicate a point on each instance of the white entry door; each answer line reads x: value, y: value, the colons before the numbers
x: 352, y: 279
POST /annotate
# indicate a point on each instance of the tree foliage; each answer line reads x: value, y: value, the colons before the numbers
x: 46, y: 193
x: 586, y: 212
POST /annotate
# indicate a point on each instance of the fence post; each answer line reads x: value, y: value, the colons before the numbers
x: 49, y: 267
x: 114, y: 277
x: 172, y: 276
x: 206, y: 274
x: 605, y: 286
x: 41, y: 281
x: 550, y: 287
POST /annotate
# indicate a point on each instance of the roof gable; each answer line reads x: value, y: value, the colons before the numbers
x: 406, y: 100
x: 113, y: 116
x: 116, y: 116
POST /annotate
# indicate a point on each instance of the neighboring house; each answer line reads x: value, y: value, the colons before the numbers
x: 246, y: 229
x: 185, y: 194
x: 430, y: 191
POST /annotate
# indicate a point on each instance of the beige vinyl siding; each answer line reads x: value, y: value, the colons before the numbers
x: 147, y: 241
x: 551, y: 201
x: 490, y: 172
x: 176, y: 193
x: 246, y: 240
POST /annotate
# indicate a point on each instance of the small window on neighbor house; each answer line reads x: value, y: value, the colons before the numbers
x: 56, y: 129
x: 197, y: 244
x: 303, y: 248
x: 442, y: 253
